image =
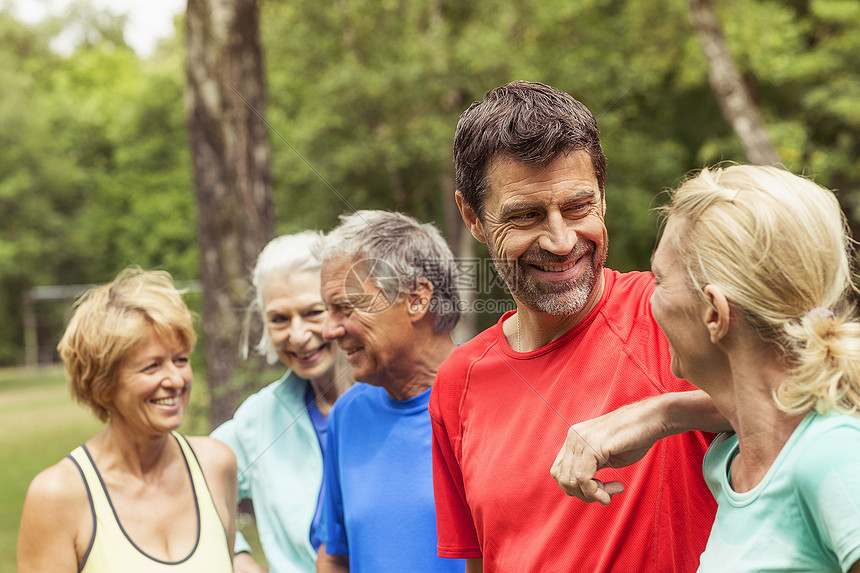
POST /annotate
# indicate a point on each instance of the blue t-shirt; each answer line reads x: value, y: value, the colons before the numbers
x: 804, y: 515
x: 319, y: 424
x: 378, y: 504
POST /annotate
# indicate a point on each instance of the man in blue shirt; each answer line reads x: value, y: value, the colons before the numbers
x: 389, y: 285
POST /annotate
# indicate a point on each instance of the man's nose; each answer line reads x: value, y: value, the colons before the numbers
x: 333, y: 327
x: 558, y: 237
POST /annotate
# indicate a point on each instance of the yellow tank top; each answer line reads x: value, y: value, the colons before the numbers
x: 112, y: 550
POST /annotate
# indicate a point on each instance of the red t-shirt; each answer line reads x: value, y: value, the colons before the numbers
x: 500, y: 417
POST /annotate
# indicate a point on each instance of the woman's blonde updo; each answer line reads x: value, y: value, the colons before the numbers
x: 777, y: 244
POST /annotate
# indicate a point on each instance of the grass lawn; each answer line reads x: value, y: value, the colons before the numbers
x: 39, y: 424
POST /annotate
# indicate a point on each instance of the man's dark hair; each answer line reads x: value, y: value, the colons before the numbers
x: 529, y: 122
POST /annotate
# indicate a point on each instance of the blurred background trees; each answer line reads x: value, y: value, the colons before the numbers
x: 94, y: 168
x: 362, y: 100
x: 225, y: 110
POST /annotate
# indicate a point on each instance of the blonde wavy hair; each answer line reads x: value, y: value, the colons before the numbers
x: 778, y: 246
x: 111, y: 320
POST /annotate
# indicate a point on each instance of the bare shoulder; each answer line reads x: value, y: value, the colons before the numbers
x: 56, y: 523
x: 219, y: 468
x: 212, y: 450
x: 216, y: 459
x: 60, y: 487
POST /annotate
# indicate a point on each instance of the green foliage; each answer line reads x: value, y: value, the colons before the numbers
x: 363, y: 97
x: 94, y: 174
x: 369, y: 92
x: 369, y: 95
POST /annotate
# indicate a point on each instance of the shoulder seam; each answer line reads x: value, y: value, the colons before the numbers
x: 466, y: 381
x: 655, y: 380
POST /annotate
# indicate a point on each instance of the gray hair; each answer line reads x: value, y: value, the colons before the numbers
x: 410, y: 249
x: 283, y: 255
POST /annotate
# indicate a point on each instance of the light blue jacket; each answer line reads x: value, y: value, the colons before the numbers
x: 280, y: 469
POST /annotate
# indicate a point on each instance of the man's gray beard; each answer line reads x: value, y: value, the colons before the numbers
x: 558, y: 298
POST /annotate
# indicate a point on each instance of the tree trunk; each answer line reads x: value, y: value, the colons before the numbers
x: 733, y: 95
x: 461, y: 244
x: 225, y: 101
x: 459, y: 237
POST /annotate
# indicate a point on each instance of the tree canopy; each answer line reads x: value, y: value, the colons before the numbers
x: 363, y: 97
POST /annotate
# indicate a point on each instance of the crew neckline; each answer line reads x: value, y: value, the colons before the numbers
x: 608, y: 283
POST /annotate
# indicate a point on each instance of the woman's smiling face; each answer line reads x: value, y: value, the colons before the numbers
x: 294, y: 314
x: 153, y: 386
x: 678, y: 310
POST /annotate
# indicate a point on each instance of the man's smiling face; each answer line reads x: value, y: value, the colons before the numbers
x: 544, y: 229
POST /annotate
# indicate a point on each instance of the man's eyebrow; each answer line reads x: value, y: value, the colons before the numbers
x: 519, y: 207
x: 579, y: 195
x: 575, y: 196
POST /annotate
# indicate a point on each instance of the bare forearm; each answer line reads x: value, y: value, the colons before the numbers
x: 622, y: 437
x: 642, y: 423
x: 693, y: 411
x: 474, y: 565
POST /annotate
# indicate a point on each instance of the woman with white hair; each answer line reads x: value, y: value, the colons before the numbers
x: 753, y: 290
x: 279, y: 433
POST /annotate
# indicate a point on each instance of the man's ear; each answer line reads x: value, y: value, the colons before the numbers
x: 470, y: 218
x: 418, y: 301
x: 718, y: 316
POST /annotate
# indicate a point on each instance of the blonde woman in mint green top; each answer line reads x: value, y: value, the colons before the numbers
x: 137, y: 496
x: 753, y: 285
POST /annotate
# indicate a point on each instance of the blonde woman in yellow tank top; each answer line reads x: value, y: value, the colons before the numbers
x: 137, y: 497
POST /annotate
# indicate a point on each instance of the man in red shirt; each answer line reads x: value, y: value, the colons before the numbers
x: 530, y: 184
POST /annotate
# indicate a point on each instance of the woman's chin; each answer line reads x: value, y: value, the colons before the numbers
x: 318, y: 369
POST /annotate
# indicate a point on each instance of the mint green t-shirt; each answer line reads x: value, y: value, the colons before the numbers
x: 803, y: 516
